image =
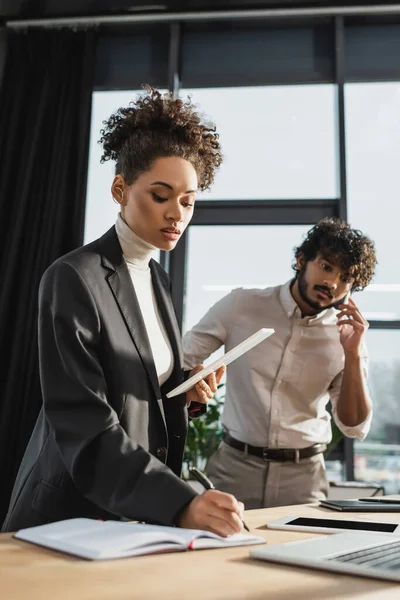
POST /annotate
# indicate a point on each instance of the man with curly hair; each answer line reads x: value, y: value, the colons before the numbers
x: 275, y: 418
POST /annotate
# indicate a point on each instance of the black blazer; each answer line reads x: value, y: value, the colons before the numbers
x: 107, y: 444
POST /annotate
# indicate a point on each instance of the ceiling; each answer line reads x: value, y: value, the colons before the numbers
x: 34, y: 9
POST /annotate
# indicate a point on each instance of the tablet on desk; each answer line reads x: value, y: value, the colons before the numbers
x: 227, y: 358
x: 316, y: 525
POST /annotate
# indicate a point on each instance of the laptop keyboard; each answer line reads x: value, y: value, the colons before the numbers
x: 386, y: 557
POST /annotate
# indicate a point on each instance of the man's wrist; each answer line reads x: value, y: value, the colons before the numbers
x: 352, y: 356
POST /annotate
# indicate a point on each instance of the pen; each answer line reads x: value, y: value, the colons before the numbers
x: 207, y: 484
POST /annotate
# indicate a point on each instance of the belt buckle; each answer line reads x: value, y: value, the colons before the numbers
x: 265, y: 455
x: 296, y: 456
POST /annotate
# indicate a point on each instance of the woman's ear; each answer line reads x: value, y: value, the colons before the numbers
x: 117, y: 189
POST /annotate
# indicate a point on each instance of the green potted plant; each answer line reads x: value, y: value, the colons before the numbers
x: 337, y: 436
x: 204, y: 435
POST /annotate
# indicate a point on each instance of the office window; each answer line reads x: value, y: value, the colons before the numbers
x: 373, y: 159
x: 377, y: 458
x: 279, y: 142
x: 221, y: 258
x: 101, y: 211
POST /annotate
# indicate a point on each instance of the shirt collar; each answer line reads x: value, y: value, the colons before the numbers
x: 289, y: 304
x: 135, y: 250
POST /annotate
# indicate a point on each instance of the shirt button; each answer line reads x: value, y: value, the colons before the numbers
x: 161, y: 452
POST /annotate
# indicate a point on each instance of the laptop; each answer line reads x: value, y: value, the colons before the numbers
x: 366, y: 554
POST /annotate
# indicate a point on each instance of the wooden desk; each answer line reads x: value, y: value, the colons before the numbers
x: 29, y: 572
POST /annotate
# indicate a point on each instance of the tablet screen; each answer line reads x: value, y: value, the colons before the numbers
x: 341, y: 524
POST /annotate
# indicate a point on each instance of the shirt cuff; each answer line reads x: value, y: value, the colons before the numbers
x: 359, y: 431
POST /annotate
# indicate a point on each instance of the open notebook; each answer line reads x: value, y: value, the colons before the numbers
x: 99, y: 540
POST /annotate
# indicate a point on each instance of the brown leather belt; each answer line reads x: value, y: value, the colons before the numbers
x: 274, y: 454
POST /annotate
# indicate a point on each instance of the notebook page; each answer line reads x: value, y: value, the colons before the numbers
x: 94, y: 539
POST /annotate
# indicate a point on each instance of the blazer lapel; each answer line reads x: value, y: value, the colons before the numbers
x: 175, y: 409
x: 167, y: 311
x: 124, y: 293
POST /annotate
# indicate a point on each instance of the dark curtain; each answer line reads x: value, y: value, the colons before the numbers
x: 45, y: 109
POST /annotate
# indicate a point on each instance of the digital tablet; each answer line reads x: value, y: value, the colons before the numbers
x: 227, y: 358
x: 316, y: 525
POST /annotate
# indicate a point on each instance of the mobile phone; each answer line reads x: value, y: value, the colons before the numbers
x: 346, y: 298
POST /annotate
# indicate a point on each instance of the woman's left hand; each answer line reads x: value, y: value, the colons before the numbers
x: 205, y: 389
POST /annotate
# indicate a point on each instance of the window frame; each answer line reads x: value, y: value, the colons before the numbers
x: 265, y: 212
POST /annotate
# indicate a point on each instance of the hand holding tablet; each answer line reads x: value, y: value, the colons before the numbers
x: 227, y: 358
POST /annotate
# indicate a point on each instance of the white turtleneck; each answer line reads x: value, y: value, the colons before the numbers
x: 137, y: 254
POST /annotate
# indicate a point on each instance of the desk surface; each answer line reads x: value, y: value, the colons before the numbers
x: 34, y: 573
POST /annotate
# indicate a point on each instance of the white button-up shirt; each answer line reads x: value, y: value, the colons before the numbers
x: 277, y: 393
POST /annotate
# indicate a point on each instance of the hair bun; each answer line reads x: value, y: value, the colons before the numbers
x: 162, y: 123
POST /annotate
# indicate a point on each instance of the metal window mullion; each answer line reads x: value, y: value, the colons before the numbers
x: 174, y: 58
x: 177, y: 262
x: 349, y: 458
x: 348, y: 446
x: 174, y: 262
x: 339, y: 71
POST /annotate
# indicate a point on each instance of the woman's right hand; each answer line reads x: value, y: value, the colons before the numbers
x: 214, y: 511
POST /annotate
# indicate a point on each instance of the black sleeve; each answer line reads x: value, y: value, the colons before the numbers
x: 105, y: 464
x: 196, y: 409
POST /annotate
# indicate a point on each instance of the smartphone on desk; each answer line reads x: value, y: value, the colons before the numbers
x: 316, y: 525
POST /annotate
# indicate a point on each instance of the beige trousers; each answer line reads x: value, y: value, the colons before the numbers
x: 260, y: 484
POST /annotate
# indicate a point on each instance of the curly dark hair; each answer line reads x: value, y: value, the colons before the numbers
x: 158, y: 125
x: 349, y: 249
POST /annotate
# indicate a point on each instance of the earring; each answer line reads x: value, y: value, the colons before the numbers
x: 122, y: 196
